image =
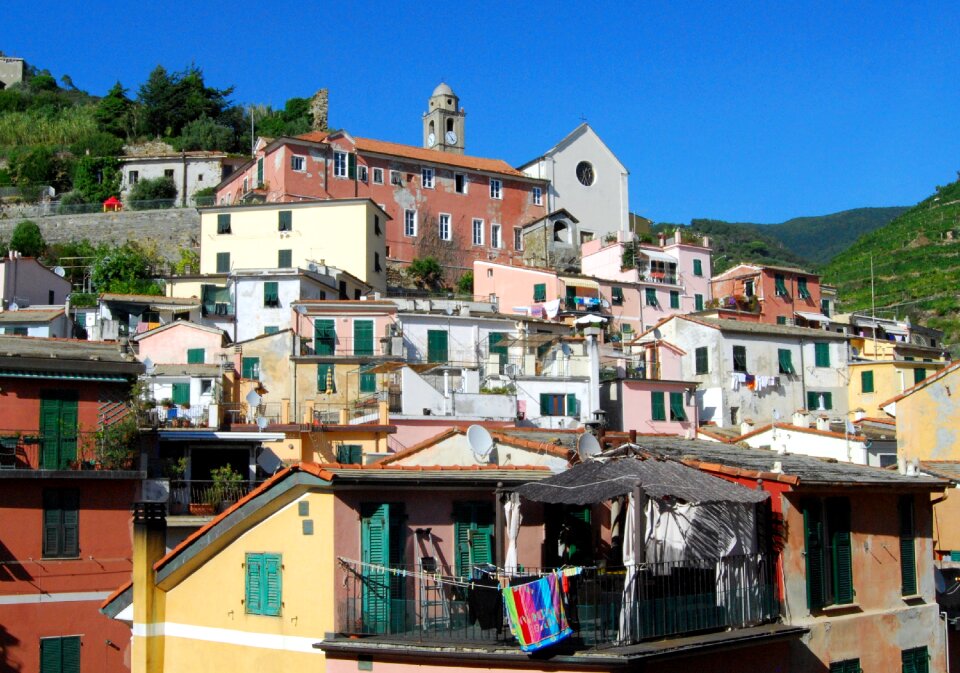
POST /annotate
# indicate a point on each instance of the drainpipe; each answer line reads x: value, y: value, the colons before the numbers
x: 183, y: 192
x: 593, y: 350
x: 803, y: 377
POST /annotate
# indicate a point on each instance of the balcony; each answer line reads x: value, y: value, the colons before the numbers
x: 637, y: 370
x: 199, y: 497
x: 664, y: 600
x: 84, y: 450
x: 580, y: 304
x: 341, y: 347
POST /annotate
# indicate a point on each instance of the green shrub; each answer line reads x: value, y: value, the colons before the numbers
x: 28, y: 240
x: 155, y: 193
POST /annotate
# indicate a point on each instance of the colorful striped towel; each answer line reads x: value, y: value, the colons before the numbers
x: 536, y: 614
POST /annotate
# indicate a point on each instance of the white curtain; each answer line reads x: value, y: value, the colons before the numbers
x: 628, y: 612
x: 512, y: 517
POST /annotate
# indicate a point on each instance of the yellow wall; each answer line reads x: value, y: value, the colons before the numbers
x: 339, y: 233
x: 928, y: 421
x: 881, y: 349
x: 890, y: 378
x: 190, y: 287
x: 208, y: 605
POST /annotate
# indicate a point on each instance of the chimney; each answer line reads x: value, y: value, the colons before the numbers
x: 661, y: 239
x: 801, y: 419
x: 859, y: 414
x: 149, y: 546
x: 705, y: 241
x: 593, y: 351
x: 677, y: 237
x: 319, y: 108
x: 823, y: 423
x: 746, y: 426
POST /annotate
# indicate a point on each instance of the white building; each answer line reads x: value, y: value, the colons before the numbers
x: 587, y: 180
x: 190, y: 172
x: 757, y: 371
x: 50, y: 322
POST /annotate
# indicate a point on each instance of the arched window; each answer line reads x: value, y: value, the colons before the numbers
x: 432, y: 130
x: 449, y: 124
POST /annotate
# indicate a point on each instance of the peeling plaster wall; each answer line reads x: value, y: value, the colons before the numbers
x: 928, y: 421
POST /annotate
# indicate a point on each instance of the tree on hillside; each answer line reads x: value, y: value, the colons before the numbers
x: 171, y: 101
x: 27, y: 239
x: 426, y: 272
x: 126, y: 269
x: 156, y: 193
x: 206, y: 134
x: 115, y: 113
x: 96, y: 179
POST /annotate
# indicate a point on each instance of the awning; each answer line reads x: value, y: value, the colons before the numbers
x: 390, y: 367
x: 173, y: 307
x: 580, y: 282
x: 657, y: 256
x: 217, y: 436
x: 812, y: 317
x: 62, y: 376
x: 894, y: 329
x: 590, y: 320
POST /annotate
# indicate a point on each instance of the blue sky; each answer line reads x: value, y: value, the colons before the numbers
x: 738, y: 111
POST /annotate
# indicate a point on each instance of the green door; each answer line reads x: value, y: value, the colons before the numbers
x: 437, y: 346
x: 325, y: 337
x: 382, y: 546
x: 473, y: 524
x: 363, y: 337
x: 58, y: 429
x: 571, y: 297
x: 494, y: 344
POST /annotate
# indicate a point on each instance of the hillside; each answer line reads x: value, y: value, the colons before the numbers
x: 916, y: 261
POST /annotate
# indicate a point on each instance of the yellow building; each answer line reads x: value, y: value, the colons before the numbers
x: 349, y: 233
x: 873, y: 381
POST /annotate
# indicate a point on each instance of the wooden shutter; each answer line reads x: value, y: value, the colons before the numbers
x: 223, y: 262
x: 908, y: 552
x: 658, y: 410
x: 285, y: 259
x: 51, y: 654
x: 254, y: 584
x: 196, y: 356
x: 697, y: 267
x: 374, y: 541
x: 540, y: 292
x: 69, y: 425
x: 786, y: 361
x: 349, y: 454
x: 181, y: 393
x: 52, y: 518
x: 677, y: 412
x: 493, y: 341
x: 260, y: 172
x: 815, y: 561
x: 272, y: 585
x: 573, y: 406
x: 352, y: 166
x: 915, y: 660
x: 285, y: 220
x: 698, y: 302
x: 473, y: 535
x: 545, y: 406
x: 838, y: 512
x: 223, y: 223
x: 866, y: 382
x: 827, y: 400
x: 50, y: 433
x: 70, y: 654
x: 436, y: 346
x: 70, y: 523
x: 250, y: 368
x: 919, y: 374
x: 368, y: 382
x: 821, y: 354
x: 363, y: 337
x: 651, y: 296
x: 813, y: 400
x: 271, y: 294
x: 703, y: 363
x: 674, y: 299
x: 324, y: 337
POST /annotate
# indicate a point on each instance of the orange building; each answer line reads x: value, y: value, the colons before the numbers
x: 769, y: 294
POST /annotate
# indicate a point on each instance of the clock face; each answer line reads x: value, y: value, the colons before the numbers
x: 431, y: 140
x: 585, y: 173
x: 451, y: 138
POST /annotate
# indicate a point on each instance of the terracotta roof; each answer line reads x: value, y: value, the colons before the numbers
x: 749, y: 328
x: 947, y: 469
x: 552, y: 449
x: 798, y: 428
x: 30, y: 315
x: 923, y: 384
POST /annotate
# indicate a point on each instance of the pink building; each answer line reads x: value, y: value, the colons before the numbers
x: 769, y: 294
x: 183, y: 342
x: 454, y: 207
x: 26, y: 282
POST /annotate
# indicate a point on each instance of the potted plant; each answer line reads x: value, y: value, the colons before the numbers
x: 226, y: 487
x: 179, y: 494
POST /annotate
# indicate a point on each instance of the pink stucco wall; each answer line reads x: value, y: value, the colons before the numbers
x: 344, y: 314
x: 638, y: 412
x: 771, y: 305
x: 170, y: 346
x: 411, y: 431
x: 513, y: 285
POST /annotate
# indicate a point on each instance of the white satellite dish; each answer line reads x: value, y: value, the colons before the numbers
x: 588, y: 446
x: 14, y: 306
x: 262, y: 423
x: 480, y: 442
x: 60, y: 271
x: 253, y: 399
x: 149, y: 367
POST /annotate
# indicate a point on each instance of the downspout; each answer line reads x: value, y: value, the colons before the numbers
x: 803, y: 377
x: 183, y: 192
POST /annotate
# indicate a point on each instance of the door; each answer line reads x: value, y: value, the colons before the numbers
x: 363, y: 337
x: 382, y: 547
x: 58, y: 429
x: 494, y: 346
x: 473, y: 531
x: 437, y: 350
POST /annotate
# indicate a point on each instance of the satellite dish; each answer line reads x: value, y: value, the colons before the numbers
x: 262, y: 423
x: 480, y: 442
x: 939, y: 581
x: 588, y: 446
x: 149, y: 367
x: 59, y: 270
x: 14, y: 306
x: 253, y: 399
x: 776, y: 414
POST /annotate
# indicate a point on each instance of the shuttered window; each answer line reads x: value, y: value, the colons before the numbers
x: 223, y: 223
x: 908, y: 551
x: 196, y: 356
x: 828, y: 552
x: 702, y: 360
x: 181, y: 393
x: 915, y: 660
x: 677, y: 412
x: 573, y: 405
x: 616, y: 294
x: 697, y: 267
x: 349, y: 454
x: 285, y: 220
x: 785, y: 357
x: 437, y: 346
x: 651, y: 296
x: 324, y: 337
x: 551, y: 404
x: 845, y: 666
x: 821, y: 354
x: 674, y: 299
x: 363, y: 337
x: 780, y: 285
x: 658, y: 410
x: 250, y: 368
x: 264, y: 584
x: 326, y: 379
x: 919, y: 374
x: 223, y: 262
x: 866, y: 381
x: 739, y: 358
x: 60, y: 655
x: 61, y: 523
x: 819, y: 401
x: 271, y: 294
x: 540, y: 292
x: 382, y: 543
x: 698, y: 302
x: 284, y: 259
x: 473, y: 524
x: 802, y: 288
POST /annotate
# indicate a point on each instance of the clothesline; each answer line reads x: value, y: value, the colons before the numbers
x: 457, y: 581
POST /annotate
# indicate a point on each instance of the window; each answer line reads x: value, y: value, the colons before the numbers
x: 134, y: 177
x: 285, y: 220
x: 658, y: 410
x: 60, y: 655
x: 168, y: 172
x: 271, y: 329
x: 496, y: 187
x: 829, y: 562
x: 263, y: 585
x: 919, y: 374
x: 557, y: 404
x: 181, y: 393
x: 246, y: 186
x: 537, y: 196
x: 350, y: 454
x: 460, y: 183
x: 324, y: 336
x: 802, y: 288
x: 376, y: 226
x: 915, y: 660
x: 740, y: 358
x: 781, y: 320
x: 697, y: 267
x: 616, y: 295
x: 819, y: 401
x: 540, y: 292
x: 674, y: 299
x: 444, y: 226
x: 223, y: 223
x: 866, y: 381
x: 363, y: 337
x: 250, y: 368
x: 785, y: 358
x: 260, y: 172
x: 376, y: 267
x: 437, y: 350
x: 651, y: 296
x: 845, y: 666
x: 517, y: 238
x: 698, y: 302
x: 378, y: 176
x: 821, y: 354
x: 196, y: 356
x: 326, y: 379
x: 17, y: 331
x: 362, y: 173
x: 908, y: 550
x: 409, y: 223
x: 368, y: 382
x: 677, y: 412
x: 474, y: 525
x: 298, y: 163
x: 340, y: 164
x: 702, y: 360
x: 426, y: 178
x: 780, y: 285
x: 477, y: 231
x: 61, y: 523
x: 396, y: 179
x: 748, y: 288
x: 271, y: 294
x: 284, y: 259
x: 495, y: 239
x: 223, y: 262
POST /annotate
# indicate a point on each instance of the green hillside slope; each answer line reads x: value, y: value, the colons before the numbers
x: 822, y: 238
x: 734, y: 242
x: 916, y: 261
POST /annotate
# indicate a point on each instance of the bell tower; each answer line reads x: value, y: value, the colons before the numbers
x: 443, y: 123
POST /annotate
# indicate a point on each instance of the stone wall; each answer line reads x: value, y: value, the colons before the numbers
x: 168, y: 230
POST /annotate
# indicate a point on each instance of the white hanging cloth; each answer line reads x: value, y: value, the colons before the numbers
x: 512, y: 517
x: 628, y: 609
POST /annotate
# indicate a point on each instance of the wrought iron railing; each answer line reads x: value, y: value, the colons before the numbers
x: 205, y: 497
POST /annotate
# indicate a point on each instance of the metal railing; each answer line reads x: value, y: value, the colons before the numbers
x: 185, y: 417
x: 205, y: 497
x: 603, y: 608
x: 571, y: 304
x: 24, y: 450
x: 343, y: 347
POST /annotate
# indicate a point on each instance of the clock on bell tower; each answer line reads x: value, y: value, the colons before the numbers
x: 443, y: 123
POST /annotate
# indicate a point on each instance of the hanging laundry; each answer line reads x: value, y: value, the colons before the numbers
x: 734, y: 382
x: 751, y: 381
x: 536, y: 614
x: 484, y: 604
x: 551, y: 308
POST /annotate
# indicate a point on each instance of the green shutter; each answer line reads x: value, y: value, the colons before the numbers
x: 838, y: 512
x: 250, y: 368
x: 866, y: 381
x: 326, y: 377
x: 368, y: 382
x: 58, y: 428
x: 51, y: 654
x: 845, y: 666
x: 223, y: 223
x: 70, y: 523
x: 540, y: 292
x: 272, y: 584
x: 821, y: 354
x: 375, y: 550
x: 908, y: 552
x: 284, y: 259
x: 493, y: 346
x: 915, y: 660
x: 271, y: 329
x: 698, y: 302
x: 697, y: 267
x: 825, y: 307
x: 324, y: 337
x: 651, y: 296
x: 674, y: 299
x: 363, y: 337
x: 802, y: 288
x: 659, y: 411
x: 181, y: 393
x: 781, y: 320
x: 814, y: 553
x: 436, y: 346
x: 271, y: 294
x: 677, y: 412
x: 196, y: 356
x: 545, y: 404
x: 350, y: 454
x: 702, y: 359
x: 617, y: 294
x: 352, y: 166
x: 780, y: 284
x: 223, y: 262
x: 786, y: 361
x: 70, y: 654
x: 254, y: 584
x: 573, y: 406
x: 473, y: 535
x: 285, y: 220
x: 827, y: 401
x: 52, y: 518
x: 919, y: 374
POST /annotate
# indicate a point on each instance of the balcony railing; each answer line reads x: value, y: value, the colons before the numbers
x: 343, y: 347
x: 204, y: 497
x: 661, y: 600
x: 585, y: 304
x: 185, y: 417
